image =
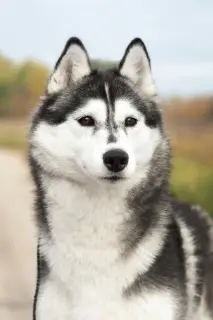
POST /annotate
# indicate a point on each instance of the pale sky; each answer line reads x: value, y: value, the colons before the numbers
x: 178, y: 35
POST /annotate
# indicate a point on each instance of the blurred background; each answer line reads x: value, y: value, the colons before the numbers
x: 33, y: 33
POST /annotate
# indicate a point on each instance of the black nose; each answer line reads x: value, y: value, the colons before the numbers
x: 115, y: 160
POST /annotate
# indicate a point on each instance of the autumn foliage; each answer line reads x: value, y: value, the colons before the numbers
x: 20, y: 86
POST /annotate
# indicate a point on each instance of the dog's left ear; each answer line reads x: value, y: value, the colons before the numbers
x: 72, y: 65
x: 136, y: 66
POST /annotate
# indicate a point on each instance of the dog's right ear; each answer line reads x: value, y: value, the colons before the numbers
x: 71, y: 67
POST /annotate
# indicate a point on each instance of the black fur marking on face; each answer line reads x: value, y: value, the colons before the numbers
x: 57, y: 107
x: 152, y: 115
x: 111, y: 138
x: 47, y: 112
x: 111, y: 126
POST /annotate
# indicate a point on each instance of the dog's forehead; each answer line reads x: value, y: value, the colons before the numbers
x: 105, y: 94
x: 104, y: 84
x: 101, y: 90
x: 104, y: 107
x: 95, y: 107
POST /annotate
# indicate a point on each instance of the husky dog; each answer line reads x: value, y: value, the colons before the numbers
x: 113, y: 244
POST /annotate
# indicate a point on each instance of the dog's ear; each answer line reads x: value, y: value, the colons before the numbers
x: 136, y: 66
x: 71, y: 67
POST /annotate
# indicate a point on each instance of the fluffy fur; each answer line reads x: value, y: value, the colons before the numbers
x: 112, y: 244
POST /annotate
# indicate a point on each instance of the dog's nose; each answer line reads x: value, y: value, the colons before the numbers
x: 115, y: 160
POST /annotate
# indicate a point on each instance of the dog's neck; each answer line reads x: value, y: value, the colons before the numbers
x: 101, y: 213
x: 85, y: 210
x: 98, y: 231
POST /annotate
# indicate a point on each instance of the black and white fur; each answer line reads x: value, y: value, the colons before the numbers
x: 112, y: 245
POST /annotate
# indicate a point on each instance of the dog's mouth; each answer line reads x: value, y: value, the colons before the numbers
x: 113, y: 179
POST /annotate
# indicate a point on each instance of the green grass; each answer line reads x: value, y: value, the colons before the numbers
x: 192, y: 181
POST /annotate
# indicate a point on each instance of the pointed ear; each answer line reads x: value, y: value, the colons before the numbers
x: 136, y: 66
x: 71, y: 67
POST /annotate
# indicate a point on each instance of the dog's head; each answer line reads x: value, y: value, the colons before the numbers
x: 98, y: 125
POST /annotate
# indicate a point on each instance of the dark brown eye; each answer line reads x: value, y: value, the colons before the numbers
x: 86, y: 121
x: 130, y: 122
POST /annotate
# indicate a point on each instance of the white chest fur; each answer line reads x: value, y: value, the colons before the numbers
x: 88, y: 273
x: 100, y: 304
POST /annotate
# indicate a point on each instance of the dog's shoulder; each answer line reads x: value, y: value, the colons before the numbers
x: 197, y: 221
x: 196, y: 228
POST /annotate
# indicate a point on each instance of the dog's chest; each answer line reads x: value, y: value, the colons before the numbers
x: 101, y: 304
x: 94, y: 280
x: 86, y: 259
x: 104, y: 301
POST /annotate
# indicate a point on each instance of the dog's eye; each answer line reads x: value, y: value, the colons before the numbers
x: 86, y: 121
x: 130, y: 122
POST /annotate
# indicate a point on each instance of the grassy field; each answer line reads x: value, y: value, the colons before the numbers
x: 192, y: 175
x: 192, y: 181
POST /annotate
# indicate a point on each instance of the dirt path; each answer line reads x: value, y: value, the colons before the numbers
x: 17, y: 238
